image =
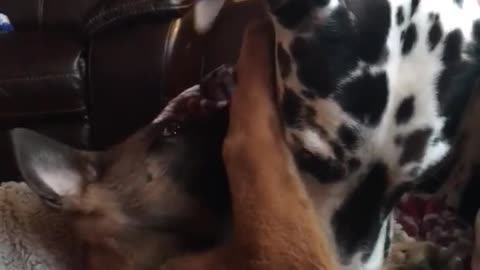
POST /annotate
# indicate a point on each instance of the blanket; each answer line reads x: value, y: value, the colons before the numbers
x: 32, y: 235
x: 429, y: 218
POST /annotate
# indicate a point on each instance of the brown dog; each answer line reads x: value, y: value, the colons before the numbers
x: 160, y: 193
x: 274, y: 226
x: 163, y: 192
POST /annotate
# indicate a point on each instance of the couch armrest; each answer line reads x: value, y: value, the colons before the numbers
x: 131, y: 69
x: 40, y: 74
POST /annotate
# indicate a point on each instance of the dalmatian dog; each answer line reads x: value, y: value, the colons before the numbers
x: 373, y: 96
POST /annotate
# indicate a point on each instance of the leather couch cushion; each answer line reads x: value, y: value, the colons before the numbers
x: 41, y: 74
x: 150, y: 58
x: 34, y: 15
x: 79, y: 15
x: 116, y: 12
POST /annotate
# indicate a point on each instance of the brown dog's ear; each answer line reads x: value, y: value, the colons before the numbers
x: 205, y: 13
x: 51, y: 169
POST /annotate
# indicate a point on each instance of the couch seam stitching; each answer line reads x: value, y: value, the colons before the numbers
x: 38, y: 78
x: 127, y: 5
x: 41, y: 7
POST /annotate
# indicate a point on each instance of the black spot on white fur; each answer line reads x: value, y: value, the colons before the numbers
x: 435, y: 34
x: 325, y: 170
x: 454, y: 92
x: 291, y: 12
x: 453, y: 47
x: 459, y: 2
x: 353, y: 164
x: 324, y: 58
x: 400, y: 16
x: 414, y: 7
x: 371, y: 87
x: 363, y: 208
x: 292, y: 108
x: 414, y: 145
x: 371, y: 31
x: 405, y: 110
x: 284, y: 62
x: 452, y: 61
x: 348, y: 136
x: 409, y: 39
x: 476, y: 30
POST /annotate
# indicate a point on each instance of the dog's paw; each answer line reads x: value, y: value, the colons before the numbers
x: 218, y: 85
x: 211, y: 95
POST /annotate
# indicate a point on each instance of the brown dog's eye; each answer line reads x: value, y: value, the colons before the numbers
x: 171, y: 129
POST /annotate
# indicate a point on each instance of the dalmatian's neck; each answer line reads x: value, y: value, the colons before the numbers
x: 372, y: 94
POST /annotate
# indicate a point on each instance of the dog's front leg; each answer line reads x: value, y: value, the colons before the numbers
x: 274, y: 225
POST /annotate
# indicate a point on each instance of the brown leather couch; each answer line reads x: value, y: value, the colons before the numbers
x: 90, y: 72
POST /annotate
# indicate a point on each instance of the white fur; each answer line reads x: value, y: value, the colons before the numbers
x: 313, y: 142
x: 411, y: 75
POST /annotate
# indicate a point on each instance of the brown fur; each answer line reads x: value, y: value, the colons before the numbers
x: 274, y: 225
x: 139, y: 203
x: 101, y: 220
x: 153, y: 198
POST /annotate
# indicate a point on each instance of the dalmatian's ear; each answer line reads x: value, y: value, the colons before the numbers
x: 205, y: 14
